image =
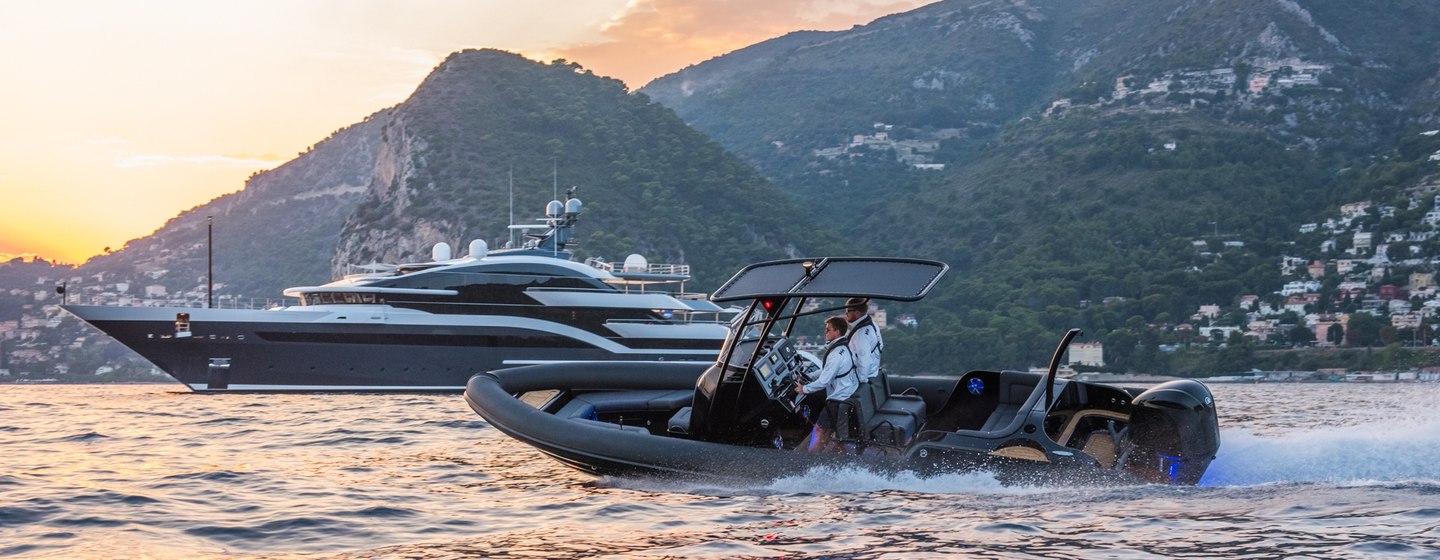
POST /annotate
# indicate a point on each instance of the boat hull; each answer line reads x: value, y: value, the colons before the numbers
x: 608, y: 449
x: 359, y: 348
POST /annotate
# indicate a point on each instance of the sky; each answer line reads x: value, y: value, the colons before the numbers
x: 117, y: 116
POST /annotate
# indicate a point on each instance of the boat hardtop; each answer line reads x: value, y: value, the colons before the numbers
x: 739, y: 416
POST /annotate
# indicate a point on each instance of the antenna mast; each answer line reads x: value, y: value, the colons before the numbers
x: 555, y: 186
x: 512, y: 208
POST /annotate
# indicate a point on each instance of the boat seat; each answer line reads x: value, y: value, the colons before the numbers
x: 1100, y: 444
x: 1001, y: 417
x: 611, y: 425
x: 591, y: 405
x: 878, y: 391
x: 881, y: 425
x: 680, y: 422
x: 1013, y: 397
x: 1074, y: 421
x: 891, y: 428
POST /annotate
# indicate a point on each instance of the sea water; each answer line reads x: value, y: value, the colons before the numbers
x: 102, y: 471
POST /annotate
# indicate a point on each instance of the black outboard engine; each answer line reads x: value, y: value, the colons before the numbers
x: 1173, y: 433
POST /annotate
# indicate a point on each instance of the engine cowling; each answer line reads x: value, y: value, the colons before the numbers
x: 1174, y: 433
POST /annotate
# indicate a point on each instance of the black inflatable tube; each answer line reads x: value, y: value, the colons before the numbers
x: 605, y: 450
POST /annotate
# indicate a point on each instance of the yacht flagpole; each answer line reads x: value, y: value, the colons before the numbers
x: 209, y: 261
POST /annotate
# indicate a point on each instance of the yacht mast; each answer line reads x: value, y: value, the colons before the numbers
x: 511, y: 245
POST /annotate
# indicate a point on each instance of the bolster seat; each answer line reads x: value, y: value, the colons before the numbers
x: 886, y: 400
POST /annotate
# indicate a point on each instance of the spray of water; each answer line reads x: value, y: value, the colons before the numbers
x: 1390, y: 450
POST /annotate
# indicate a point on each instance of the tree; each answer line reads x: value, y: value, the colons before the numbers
x: 1301, y: 334
x: 1363, y: 329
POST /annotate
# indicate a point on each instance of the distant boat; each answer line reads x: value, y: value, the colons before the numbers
x: 430, y: 326
x: 1253, y: 378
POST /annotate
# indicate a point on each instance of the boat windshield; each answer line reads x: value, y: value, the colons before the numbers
x: 774, y: 319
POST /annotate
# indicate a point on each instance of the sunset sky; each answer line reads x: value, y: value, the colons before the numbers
x: 120, y: 115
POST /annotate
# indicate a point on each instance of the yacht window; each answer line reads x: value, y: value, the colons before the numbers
x: 367, y: 298
x: 352, y: 298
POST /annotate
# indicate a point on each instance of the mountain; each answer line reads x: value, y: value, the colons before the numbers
x: 975, y: 65
x: 1153, y: 156
x: 650, y: 184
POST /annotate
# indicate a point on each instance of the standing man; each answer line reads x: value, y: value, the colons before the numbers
x: 865, y: 342
x: 839, y: 380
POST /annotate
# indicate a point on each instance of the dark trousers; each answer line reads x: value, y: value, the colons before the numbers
x: 839, y: 418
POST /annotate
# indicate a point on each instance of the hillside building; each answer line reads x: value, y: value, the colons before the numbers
x: 1087, y: 354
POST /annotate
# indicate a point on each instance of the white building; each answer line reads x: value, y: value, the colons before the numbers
x: 1363, y: 239
x: 1087, y: 354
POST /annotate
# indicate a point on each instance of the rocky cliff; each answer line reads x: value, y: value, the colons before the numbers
x: 484, y: 120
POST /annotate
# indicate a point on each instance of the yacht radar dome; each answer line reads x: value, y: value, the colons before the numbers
x: 573, y: 207
x: 478, y: 249
x: 635, y: 263
x: 441, y: 252
x: 554, y: 209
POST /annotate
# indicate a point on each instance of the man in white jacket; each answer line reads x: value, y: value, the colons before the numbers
x: 839, y: 379
x: 865, y: 342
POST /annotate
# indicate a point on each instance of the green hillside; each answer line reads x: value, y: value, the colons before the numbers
x: 651, y: 184
x: 1110, y: 165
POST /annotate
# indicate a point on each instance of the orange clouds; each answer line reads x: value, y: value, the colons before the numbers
x: 656, y: 37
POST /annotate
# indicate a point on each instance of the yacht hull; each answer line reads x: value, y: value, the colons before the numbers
x: 363, y: 348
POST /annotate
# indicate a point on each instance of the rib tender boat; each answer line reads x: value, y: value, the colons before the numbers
x: 738, y: 417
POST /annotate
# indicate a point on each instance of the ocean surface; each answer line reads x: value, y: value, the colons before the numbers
x: 104, y: 471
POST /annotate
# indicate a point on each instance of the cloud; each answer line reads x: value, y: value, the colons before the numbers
x: 651, y: 38
x: 122, y: 153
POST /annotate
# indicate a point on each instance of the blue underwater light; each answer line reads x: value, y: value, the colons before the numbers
x: 975, y: 386
x: 1171, y: 465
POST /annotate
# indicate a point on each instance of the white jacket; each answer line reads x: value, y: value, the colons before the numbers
x: 838, y: 375
x: 866, y: 346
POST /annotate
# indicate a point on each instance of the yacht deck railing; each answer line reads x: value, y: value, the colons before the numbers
x: 655, y: 268
x: 221, y: 301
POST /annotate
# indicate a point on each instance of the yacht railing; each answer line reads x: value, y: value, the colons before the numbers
x: 372, y: 269
x: 656, y: 268
x: 194, y: 302
x: 681, y: 318
x: 697, y: 296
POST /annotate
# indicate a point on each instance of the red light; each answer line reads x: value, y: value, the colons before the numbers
x: 768, y: 304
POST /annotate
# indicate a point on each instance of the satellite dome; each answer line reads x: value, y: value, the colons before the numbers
x: 554, y: 209
x: 573, y: 206
x: 478, y: 249
x: 441, y: 252
x: 636, y: 263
